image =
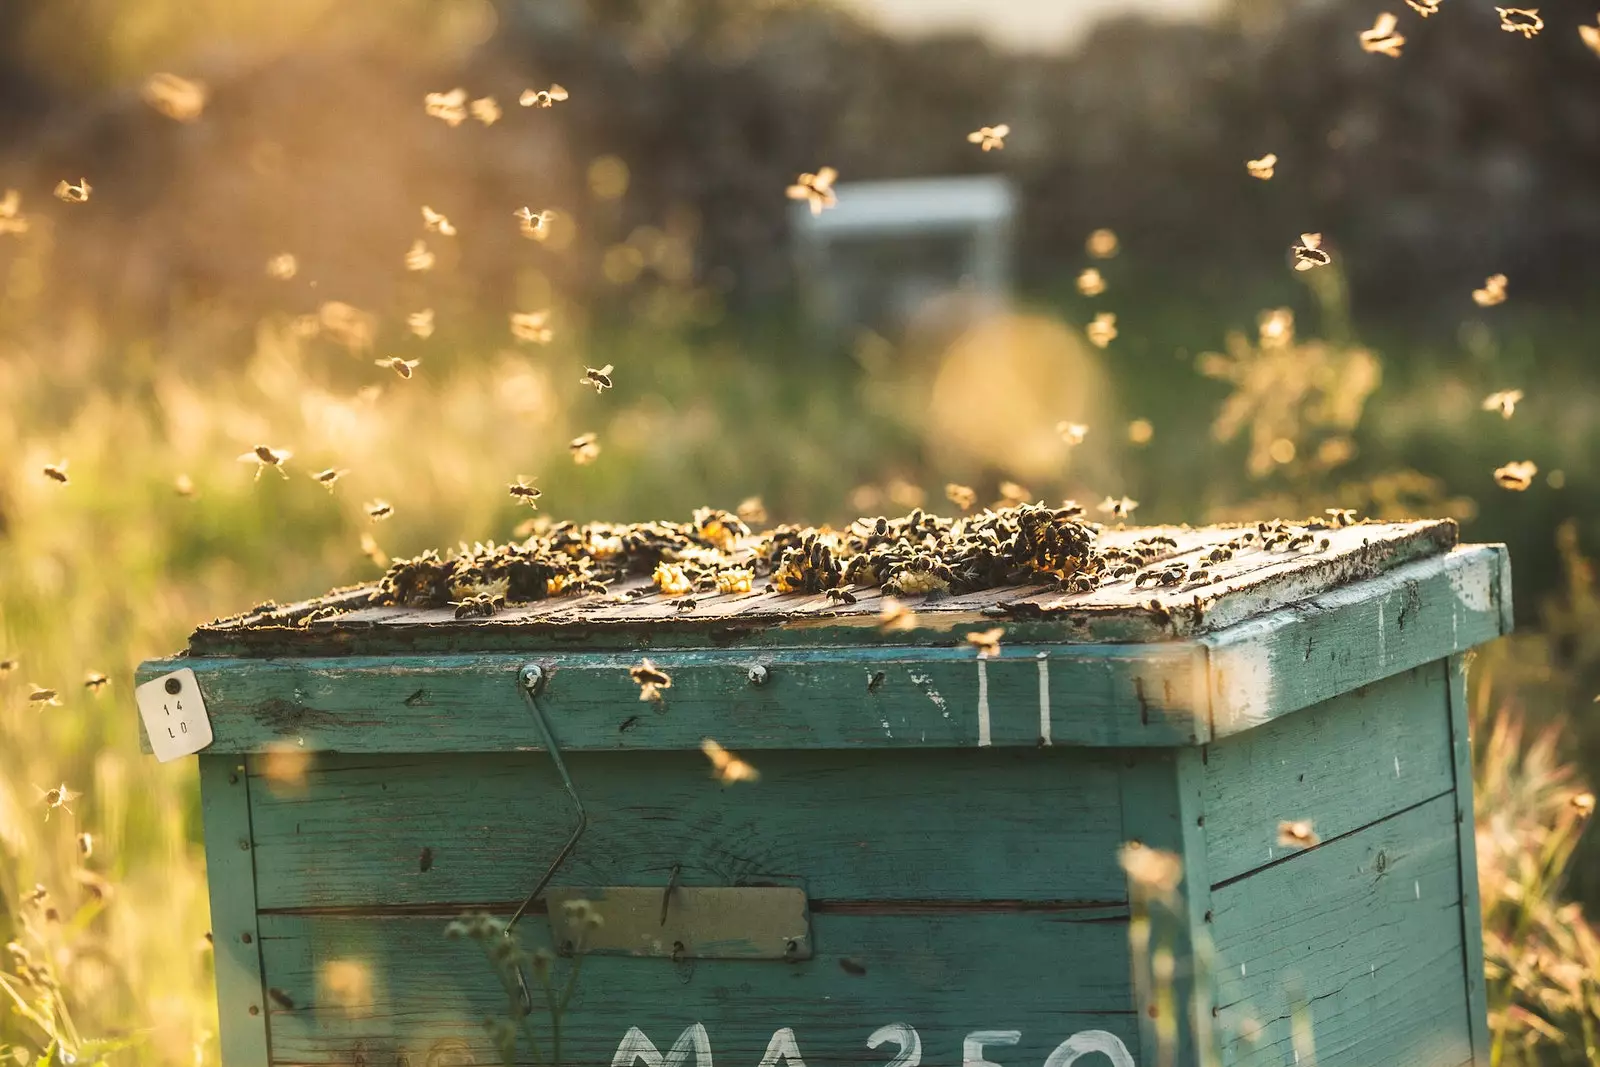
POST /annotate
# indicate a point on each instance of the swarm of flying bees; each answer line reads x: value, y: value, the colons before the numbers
x: 1382, y: 38
x: 1262, y: 168
x: 1525, y: 21
x: 542, y: 97
x: 1492, y: 293
x: 1309, y: 252
x: 74, y: 194
x: 1505, y: 402
x: 815, y: 189
x: 990, y: 137
x: 1516, y: 476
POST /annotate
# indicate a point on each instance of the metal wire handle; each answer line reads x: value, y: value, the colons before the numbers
x: 530, y: 679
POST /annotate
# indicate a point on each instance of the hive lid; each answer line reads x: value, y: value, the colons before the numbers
x: 1253, y: 581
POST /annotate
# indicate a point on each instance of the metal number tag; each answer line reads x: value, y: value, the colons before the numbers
x: 174, y: 714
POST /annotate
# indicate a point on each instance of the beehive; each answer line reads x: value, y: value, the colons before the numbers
x: 928, y: 864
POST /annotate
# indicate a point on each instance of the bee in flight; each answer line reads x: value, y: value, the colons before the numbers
x: 434, y: 222
x: 1309, y: 252
x: 585, y: 449
x: 378, y: 510
x: 987, y: 642
x: 400, y: 366
x: 94, y: 681
x: 1072, y: 433
x: 330, y: 477
x: 74, y: 194
x: 420, y: 323
x: 419, y: 258
x: 11, y: 217
x: 1262, y: 168
x: 1118, y: 508
x: 535, y: 225
x: 1525, y: 21
x: 56, y: 472
x: 1091, y: 282
x: 725, y: 766
x: 990, y: 137
x: 1382, y: 38
x: 1103, y: 330
x: 1297, y: 833
x: 1424, y: 7
x: 450, y: 107
x: 43, y: 696
x: 531, y: 326
x: 542, y: 97
x: 1516, y: 476
x: 59, y: 797
x: 816, y: 189
x: 264, y: 456
x: 486, y: 110
x: 1492, y: 293
x: 600, y: 379
x: 1505, y: 402
x: 524, y: 493
x: 962, y: 496
x: 650, y: 679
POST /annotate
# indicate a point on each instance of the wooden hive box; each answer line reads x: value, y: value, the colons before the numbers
x: 929, y: 863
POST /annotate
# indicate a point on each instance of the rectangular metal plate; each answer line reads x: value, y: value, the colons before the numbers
x: 701, y: 922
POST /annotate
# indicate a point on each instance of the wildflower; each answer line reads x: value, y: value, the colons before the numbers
x: 1103, y: 330
x: 1492, y: 293
x: 816, y: 189
x: 1262, y: 168
x: 1505, y: 402
x: 1382, y: 38
x: 177, y: 98
x: 1516, y: 476
x: 990, y: 137
x: 1090, y: 283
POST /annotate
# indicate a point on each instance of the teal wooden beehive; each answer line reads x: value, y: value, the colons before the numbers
x: 929, y: 862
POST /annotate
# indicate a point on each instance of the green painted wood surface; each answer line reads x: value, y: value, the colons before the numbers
x: 1354, y: 635
x: 1341, y: 765
x: 1163, y: 807
x: 230, y: 872
x: 1362, y: 934
x: 945, y: 825
x: 813, y: 698
x: 939, y: 973
x: 1467, y: 854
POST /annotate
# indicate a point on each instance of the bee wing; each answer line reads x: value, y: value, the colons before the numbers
x: 557, y: 93
x: 826, y: 177
x: 976, y: 136
x: 719, y: 756
x: 1384, y: 25
x: 606, y: 370
x: 1001, y: 130
x: 1311, y: 240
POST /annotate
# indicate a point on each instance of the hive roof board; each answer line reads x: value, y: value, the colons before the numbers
x: 1268, y: 633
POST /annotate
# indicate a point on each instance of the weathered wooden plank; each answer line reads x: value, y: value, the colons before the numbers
x: 1163, y: 807
x: 941, y: 975
x: 1467, y: 853
x: 1338, y: 641
x: 949, y: 826
x: 811, y: 698
x: 1251, y: 582
x: 1341, y: 765
x: 1361, y: 937
x: 230, y: 872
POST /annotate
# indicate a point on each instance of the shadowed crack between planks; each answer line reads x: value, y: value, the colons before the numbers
x: 1092, y: 911
x: 1327, y: 841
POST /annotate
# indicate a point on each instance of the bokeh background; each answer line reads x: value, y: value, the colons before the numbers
x: 144, y: 340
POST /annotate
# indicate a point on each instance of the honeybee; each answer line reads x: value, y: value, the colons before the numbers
x: 94, y: 681
x: 1091, y: 283
x: 725, y: 766
x: 399, y: 365
x: 1013, y: 493
x: 816, y: 189
x: 841, y: 595
x: 751, y: 511
x: 531, y: 326
x: 86, y: 844
x: 1262, y: 168
x: 74, y: 194
x: 895, y: 616
x: 585, y: 449
x: 419, y: 258
x: 11, y: 218
x: 650, y: 679
x: 434, y: 222
x: 542, y: 97
x: 1492, y: 293
x: 1297, y: 833
x: 1590, y: 35
x: 535, y: 225
x: 486, y: 110
x: 1516, y: 476
x: 1340, y: 516
x: 524, y: 493
x: 1103, y: 330
x: 686, y: 603
x: 378, y: 510
x: 987, y: 642
x: 59, y: 797
x: 1381, y: 37
x: 42, y: 696
x: 1309, y: 252
x: 329, y: 478
x: 1118, y: 507
x: 478, y: 606
x: 1072, y: 433
x: 420, y: 323
x: 177, y: 98
x: 962, y: 496
x: 371, y: 549
x: 7, y: 665
x: 1584, y: 803
x: 1525, y: 21
x: 56, y: 472
x: 283, y: 266
x: 1505, y: 402
x: 1424, y: 7
x: 264, y: 456
x: 990, y: 137
x: 600, y: 379
x: 450, y: 107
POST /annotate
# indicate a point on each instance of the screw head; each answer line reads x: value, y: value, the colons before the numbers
x: 532, y: 677
x: 758, y: 675
x: 174, y: 686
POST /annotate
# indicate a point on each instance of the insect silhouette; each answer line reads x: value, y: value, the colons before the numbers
x: 725, y: 766
x: 264, y: 456
x: 815, y: 189
x: 1309, y: 252
x: 599, y: 378
x: 401, y: 366
x: 990, y: 137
